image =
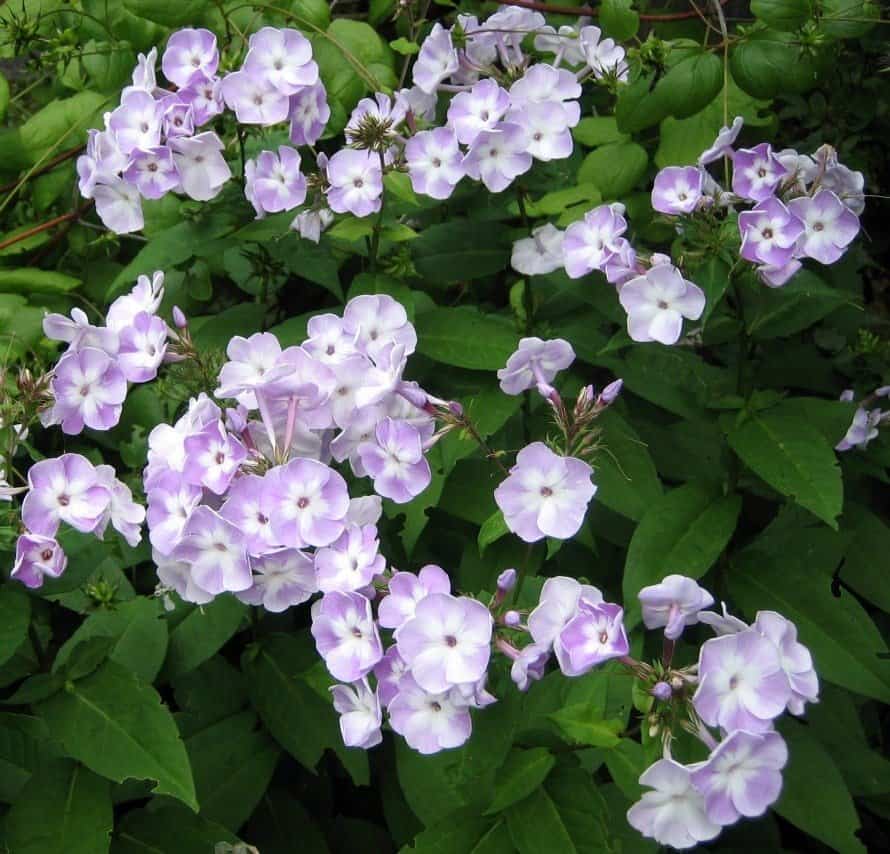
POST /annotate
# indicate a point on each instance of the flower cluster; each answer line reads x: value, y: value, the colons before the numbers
x: 149, y: 146
x: 72, y: 490
x: 89, y: 383
x: 866, y: 422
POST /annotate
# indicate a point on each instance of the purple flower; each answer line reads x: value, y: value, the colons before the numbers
x: 591, y: 243
x: 204, y: 96
x: 722, y: 145
x: 144, y: 75
x: 829, y: 226
x: 544, y: 84
x: 436, y: 61
x: 176, y: 575
x: 377, y: 321
x: 189, y: 51
x: 309, y: 501
x: 278, y: 184
x: 89, y: 390
x: 673, y: 603
x: 529, y: 666
x: 535, y: 363
x: 78, y: 332
x: 215, y: 551
x: 365, y: 510
x: 776, y: 277
x: 557, y: 605
x: 282, y: 578
x: 308, y: 113
x: 253, y: 363
x: 360, y: 714
x: 434, y: 162
x: 142, y: 348
x: 310, y: 224
x: 677, y: 189
x: 37, y: 557
x: 254, y: 99
x: 152, y: 171
x: 499, y: 155
x: 119, y: 206
x: 381, y: 110
x: 249, y: 506
x: 351, y: 561
x: 674, y: 812
x: 102, y: 163
x: 756, y: 172
x: 136, y: 123
x: 862, y: 429
x: 795, y: 659
x: 145, y: 296
x: 283, y: 58
x: 769, y: 233
x: 212, y: 458
x: 741, y: 682
x: 604, y: 57
x: 170, y: 503
x: 447, y: 642
x: 202, y: 168
x: 657, y: 302
x: 390, y: 671
x: 743, y: 776
x: 846, y: 184
x: 406, y: 590
x: 351, y: 376
x: 549, y: 137
x: 539, y: 254
x: 356, y: 182
x: 476, y: 110
x: 430, y: 722
x: 723, y: 623
x: 64, y: 489
x: 594, y: 635
x: 545, y: 495
x: 395, y: 462
x: 124, y: 514
x: 179, y: 117
x: 345, y: 635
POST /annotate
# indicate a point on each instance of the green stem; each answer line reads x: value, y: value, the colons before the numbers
x: 374, y: 248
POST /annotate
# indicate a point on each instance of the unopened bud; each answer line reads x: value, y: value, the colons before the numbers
x: 414, y: 394
x: 512, y: 618
x: 585, y: 398
x: 610, y: 392
x: 179, y: 318
x: 662, y: 691
x: 676, y: 683
x: 507, y: 580
x: 456, y: 409
x: 653, y: 730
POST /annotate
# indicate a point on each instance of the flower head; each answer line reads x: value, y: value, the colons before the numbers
x: 829, y: 226
x: 756, y: 172
x: 37, y: 557
x: 594, y: 635
x: 189, y: 51
x: 215, y: 551
x: 351, y: 561
x: 356, y: 182
x: 345, y: 635
x: 360, y: 714
x: 430, y: 722
x: 395, y: 461
x: 673, y: 603
x: 591, y: 243
x: 89, y: 391
x: 282, y: 578
x: 535, y: 363
x: 657, y: 302
x: 769, y: 233
x: 677, y: 189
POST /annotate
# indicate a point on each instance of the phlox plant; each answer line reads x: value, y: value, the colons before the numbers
x: 468, y: 438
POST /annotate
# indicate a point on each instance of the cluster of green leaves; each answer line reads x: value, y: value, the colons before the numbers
x: 130, y: 727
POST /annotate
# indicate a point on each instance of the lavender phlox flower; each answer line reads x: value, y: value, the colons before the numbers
x: 430, y: 722
x: 102, y: 163
x: 364, y: 510
x: 395, y: 461
x: 677, y: 189
x: 213, y: 457
x: 673, y: 813
x: 345, y: 635
x: 769, y: 233
x: 136, y: 123
x: 848, y: 185
x: 544, y: 84
x: 204, y: 96
x: 254, y: 99
x: 202, y: 168
x: 741, y: 682
x: 360, y: 714
x: 795, y: 659
x: 776, y: 276
x: 170, y: 503
x: 604, y: 57
x: 78, y: 332
x: 283, y: 58
x: 351, y: 562
x: 434, y: 162
x: 176, y: 575
x: 328, y: 339
x: 166, y: 442
x: 143, y: 346
x: 88, y: 390
x: 862, y: 429
x: 673, y: 604
x: 119, y: 206
x: 589, y: 244
x: 277, y: 182
x: 829, y: 226
x: 436, y: 61
x: 499, y: 155
x: 564, y: 43
x: 596, y: 634
x: 254, y: 362
x: 356, y: 182
x: 756, y: 172
x: 421, y: 104
x: 122, y: 512
x: 36, y: 558
x: 145, y: 296
x: 282, y: 578
x: 188, y: 52
x: 215, y: 551
x: 656, y: 303
x: 529, y: 665
x: 309, y: 113
x: 742, y: 776
x: 179, y: 117
x: 249, y: 506
x: 539, y: 254
x: 722, y: 145
x: 557, y: 604
x: 545, y: 495
x: 144, y: 77
x: 476, y: 110
x: 545, y: 125
x: 535, y: 363
x: 377, y: 321
x: 407, y: 589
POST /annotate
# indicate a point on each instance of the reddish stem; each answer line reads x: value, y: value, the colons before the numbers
x: 45, y: 226
x: 48, y: 166
x: 590, y: 12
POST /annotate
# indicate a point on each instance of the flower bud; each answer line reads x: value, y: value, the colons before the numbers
x: 676, y: 683
x: 179, y: 318
x: 609, y: 394
x: 512, y: 618
x: 507, y: 580
x: 661, y: 691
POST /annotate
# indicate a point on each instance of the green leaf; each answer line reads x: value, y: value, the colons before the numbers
x: 598, y: 130
x: 862, y: 570
x: 769, y: 62
x: 466, y: 338
x: 460, y: 250
x: 117, y: 726
x: 842, y: 638
x: 583, y: 724
x: 494, y: 527
x: 202, y: 633
x: 404, y: 47
x: 814, y: 795
x: 138, y: 633
x: 582, y: 808
x: 4, y: 97
x: 624, y: 472
x: 15, y: 616
x: 782, y: 14
x: 536, y: 826
x: 619, y: 20
x: 64, y: 809
x: 638, y: 106
x: 793, y: 457
x: 713, y: 278
x: 682, y: 533
x: 168, y: 828
x: 29, y: 280
x: 520, y: 775
x: 183, y: 12
x: 614, y: 168
x: 458, y: 833
x: 847, y: 19
x: 232, y: 762
x: 691, y: 84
